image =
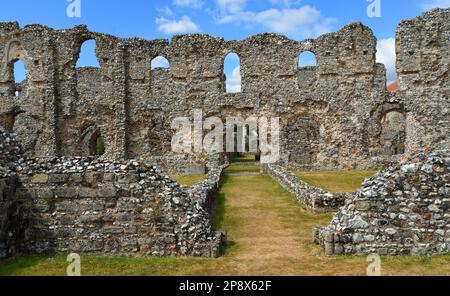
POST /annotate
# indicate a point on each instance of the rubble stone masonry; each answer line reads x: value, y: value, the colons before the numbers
x: 58, y: 195
x: 333, y: 115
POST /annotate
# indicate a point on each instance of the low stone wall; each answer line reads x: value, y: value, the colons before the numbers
x: 317, y: 200
x: 88, y: 206
x: 175, y: 165
x: 404, y: 210
x: 205, y: 192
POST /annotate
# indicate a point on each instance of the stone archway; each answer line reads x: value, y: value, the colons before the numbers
x: 88, y: 144
x: 392, y: 137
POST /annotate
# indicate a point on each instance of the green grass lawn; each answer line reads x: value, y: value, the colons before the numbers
x: 243, y: 169
x: 336, y: 181
x: 269, y: 233
x: 188, y: 180
x: 243, y: 159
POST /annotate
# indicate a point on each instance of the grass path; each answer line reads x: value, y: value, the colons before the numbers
x: 336, y: 181
x: 269, y: 233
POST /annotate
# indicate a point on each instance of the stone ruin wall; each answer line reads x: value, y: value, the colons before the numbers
x: 403, y: 210
x: 93, y: 207
x: 423, y: 63
x: 7, y: 212
x: 337, y: 108
x: 316, y: 200
x: 330, y: 114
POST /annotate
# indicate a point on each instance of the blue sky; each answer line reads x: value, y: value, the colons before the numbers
x: 231, y: 19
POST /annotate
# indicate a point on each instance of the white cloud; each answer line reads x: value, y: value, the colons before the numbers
x: 189, y: 3
x: 386, y: 55
x: 160, y: 62
x: 184, y: 25
x: 287, y: 3
x: 234, y: 81
x: 430, y: 4
x: 231, y: 6
x: 305, y: 21
x: 165, y: 11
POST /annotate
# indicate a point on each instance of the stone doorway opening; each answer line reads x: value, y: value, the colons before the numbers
x: 245, y: 147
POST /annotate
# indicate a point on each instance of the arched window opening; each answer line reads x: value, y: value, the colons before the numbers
x: 232, y: 71
x: 97, y: 144
x: 19, y: 73
x: 88, y: 57
x: 307, y: 59
x: 393, y: 133
x: 159, y: 62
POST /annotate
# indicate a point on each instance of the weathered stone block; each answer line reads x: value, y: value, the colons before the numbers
x: 40, y: 179
x: 43, y: 193
x: 127, y: 178
x: 106, y: 191
x: 66, y: 192
x: 91, y: 218
x: 66, y: 206
x: 58, y: 178
x: 92, y: 178
x: 75, y: 179
x: 87, y: 192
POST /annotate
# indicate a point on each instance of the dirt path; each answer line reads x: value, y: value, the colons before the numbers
x: 270, y: 234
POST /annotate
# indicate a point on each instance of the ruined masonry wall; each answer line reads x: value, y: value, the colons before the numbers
x: 8, y: 217
x: 423, y: 64
x: 330, y: 114
x: 315, y: 199
x: 83, y: 205
x: 10, y: 210
x: 403, y: 210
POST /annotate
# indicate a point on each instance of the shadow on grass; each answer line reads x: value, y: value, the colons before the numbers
x: 219, y: 219
x: 243, y: 169
x: 218, y: 211
x: 243, y: 159
x: 15, y: 264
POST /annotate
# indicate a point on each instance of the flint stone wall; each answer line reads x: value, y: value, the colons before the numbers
x: 423, y: 64
x: 315, y: 199
x: 9, y: 218
x: 11, y: 157
x: 404, y: 210
x: 11, y: 154
x: 79, y: 205
x: 330, y: 115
